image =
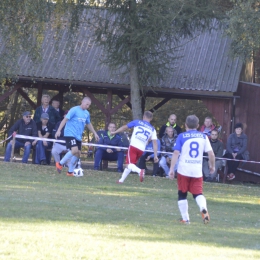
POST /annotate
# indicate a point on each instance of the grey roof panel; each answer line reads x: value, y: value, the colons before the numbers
x: 204, y: 62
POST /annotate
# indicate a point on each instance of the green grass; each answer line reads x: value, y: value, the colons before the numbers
x: 45, y: 215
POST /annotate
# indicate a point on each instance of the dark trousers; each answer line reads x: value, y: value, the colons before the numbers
x: 142, y: 163
x: 232, y: 165
x: 41, y: 153
x: 102, y: 154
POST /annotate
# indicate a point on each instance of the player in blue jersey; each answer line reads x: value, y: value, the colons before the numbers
x: 74, y: 123
x: 143, y: 131
x: 191, y: 145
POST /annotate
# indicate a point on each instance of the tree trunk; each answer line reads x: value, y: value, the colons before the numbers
x: 134, y: 79
x: 135, y: 92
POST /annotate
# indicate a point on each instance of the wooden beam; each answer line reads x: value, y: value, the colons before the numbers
x: 39, y: 94
x: 56, y: 96
x: 9, y: 92
x: 101, y: 88
x: 59, y: 96
x: 94, y: 100
x: 160, y: 104
x: 123, y: 98
x: 120, y: 105
x: 155, y: 91
x: 25, y: 96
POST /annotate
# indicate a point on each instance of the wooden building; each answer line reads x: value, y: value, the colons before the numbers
x: 204, y: 71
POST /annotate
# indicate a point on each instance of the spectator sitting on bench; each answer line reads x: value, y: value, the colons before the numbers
x: 236, y: 149
x: 208, y: 126
x: 56, y: 104
x: 217, y: 147
x: 44, y: 128
x: 24, y: 126
x: 54, y: 116
x: 58, y: 148
x: 168, y: 142
x: 110, y: 154
x: 171, y: 122
x: 149, y: 156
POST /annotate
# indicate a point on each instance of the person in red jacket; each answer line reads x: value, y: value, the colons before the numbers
x: 208, y: 126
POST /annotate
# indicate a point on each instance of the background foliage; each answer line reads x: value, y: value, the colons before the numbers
x: 244, y: 27
x: 180, y: 107
x: 23, y: 22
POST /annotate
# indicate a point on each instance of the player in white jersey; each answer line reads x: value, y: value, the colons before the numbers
x: 191, y: 145
x: 143, y: 131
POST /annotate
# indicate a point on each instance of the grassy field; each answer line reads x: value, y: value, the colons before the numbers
x: 45, y: 215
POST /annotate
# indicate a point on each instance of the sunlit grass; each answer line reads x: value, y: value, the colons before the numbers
x: 45, y: 215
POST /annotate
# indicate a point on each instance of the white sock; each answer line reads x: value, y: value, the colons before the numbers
x: 134, y: 168
x: 183, y: 207
x: 201, y: 201
x: 125, y: 174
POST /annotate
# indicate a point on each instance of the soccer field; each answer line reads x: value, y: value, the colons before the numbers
x: 46, y: 215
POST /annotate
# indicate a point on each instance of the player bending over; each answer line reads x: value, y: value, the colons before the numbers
x: 143, y: 131
x: 190, y: 145
x: 75, y: 122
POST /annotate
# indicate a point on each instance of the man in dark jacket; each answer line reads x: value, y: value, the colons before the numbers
x: 217, y: 147
x: 24, y: 126
x: 56, y: 104
x: 44, y: 128
x: 171, y: 122
x: 110, y: 154
x: 54, y: 116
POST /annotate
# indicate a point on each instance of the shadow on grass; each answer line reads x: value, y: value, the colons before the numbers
x: 147, y: 210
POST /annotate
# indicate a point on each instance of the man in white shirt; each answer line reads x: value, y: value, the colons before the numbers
x: 191, y: 145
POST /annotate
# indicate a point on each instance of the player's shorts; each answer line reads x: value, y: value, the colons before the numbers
x: 133, y: 155
x: 191, y: 184
x: 72, y: 142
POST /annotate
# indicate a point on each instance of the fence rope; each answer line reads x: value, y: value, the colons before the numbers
x: 110, y: 146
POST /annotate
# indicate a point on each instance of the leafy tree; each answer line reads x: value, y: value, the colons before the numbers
x: 23, y: 24
x: 140, y: 37
x: 244, y: 27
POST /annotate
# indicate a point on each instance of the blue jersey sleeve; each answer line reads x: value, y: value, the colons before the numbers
x: 132, y: 123
x: 71, y: 113
x: 178, y: 143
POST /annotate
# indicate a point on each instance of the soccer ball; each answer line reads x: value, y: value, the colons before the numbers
x: 78, y: 172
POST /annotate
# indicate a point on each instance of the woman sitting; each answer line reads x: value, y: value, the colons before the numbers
x: 236, y: 149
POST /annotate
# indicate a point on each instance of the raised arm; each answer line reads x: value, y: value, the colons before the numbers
x: 120, y: 129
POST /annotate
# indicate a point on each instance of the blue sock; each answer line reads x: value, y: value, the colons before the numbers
x: 73, y: 162
x: 66, y: 157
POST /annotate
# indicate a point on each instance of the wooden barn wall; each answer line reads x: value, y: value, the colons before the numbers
x: 221, y: 110
x: 248, y: 113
